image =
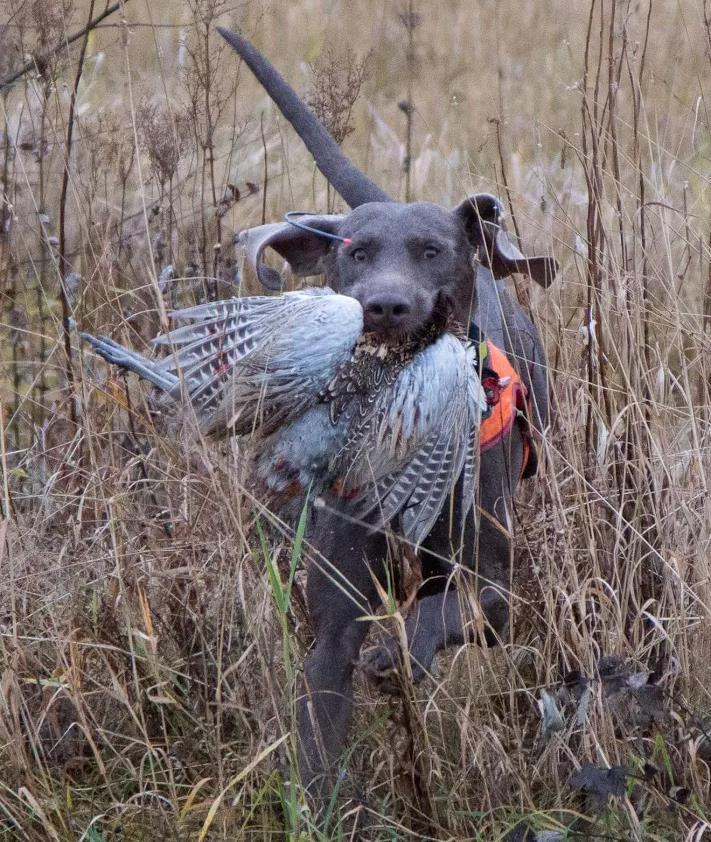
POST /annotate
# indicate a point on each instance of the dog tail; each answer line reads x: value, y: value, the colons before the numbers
x: 352, y: 184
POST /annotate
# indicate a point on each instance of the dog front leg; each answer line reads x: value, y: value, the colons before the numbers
x: 436, y: 622
x: 339, y: 596
x: 443, y: 619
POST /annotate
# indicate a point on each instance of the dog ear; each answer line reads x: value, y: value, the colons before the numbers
x: 482, y: 217
x: 304, y: 251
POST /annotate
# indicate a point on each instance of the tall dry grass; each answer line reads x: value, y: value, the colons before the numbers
x: 149, y: 640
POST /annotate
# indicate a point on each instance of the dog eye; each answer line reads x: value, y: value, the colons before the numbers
x: 430, y: 252
x: 359, y: 255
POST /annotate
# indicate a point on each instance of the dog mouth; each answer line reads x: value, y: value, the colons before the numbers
x: 421, y: 333
x: 391, y: 335
x: 422, y: 317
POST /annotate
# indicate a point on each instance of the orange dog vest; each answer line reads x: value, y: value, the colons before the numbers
x: 508, y: 399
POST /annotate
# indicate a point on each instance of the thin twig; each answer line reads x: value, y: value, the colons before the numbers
x: 41, y: 61
x: 63, y: 264
x: 265, y: 174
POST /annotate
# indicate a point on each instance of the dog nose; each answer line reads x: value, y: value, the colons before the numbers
x: 386, y: 310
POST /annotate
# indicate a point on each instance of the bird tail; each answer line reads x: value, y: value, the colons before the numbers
x: 117, y: 355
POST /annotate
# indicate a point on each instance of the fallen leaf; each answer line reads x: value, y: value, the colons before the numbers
x: 599, y: 784
x: 550, y: 715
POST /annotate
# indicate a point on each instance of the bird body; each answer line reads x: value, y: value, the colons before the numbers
x: 387, y: 427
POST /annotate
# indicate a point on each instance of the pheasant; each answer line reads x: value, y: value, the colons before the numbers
x: 387, y: 427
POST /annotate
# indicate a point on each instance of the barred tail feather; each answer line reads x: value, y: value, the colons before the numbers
x: 122, y: 357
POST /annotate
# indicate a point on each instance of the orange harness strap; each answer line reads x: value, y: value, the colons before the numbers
x: 509, y: 404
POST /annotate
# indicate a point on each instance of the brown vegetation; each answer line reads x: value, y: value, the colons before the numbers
x: 146, y: 641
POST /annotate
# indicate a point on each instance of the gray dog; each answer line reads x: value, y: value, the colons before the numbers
x: 403, y: 263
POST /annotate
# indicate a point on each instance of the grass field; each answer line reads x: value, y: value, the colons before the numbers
x: 147, y: 661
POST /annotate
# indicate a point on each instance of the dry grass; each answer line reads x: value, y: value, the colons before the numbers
x: 145, y: 654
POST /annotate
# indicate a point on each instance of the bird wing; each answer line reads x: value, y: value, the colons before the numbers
x: 255, y: 361
x: 424, y: 440
x: 214, y: 338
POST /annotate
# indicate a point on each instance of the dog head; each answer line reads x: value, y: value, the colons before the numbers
x: 405, y: 264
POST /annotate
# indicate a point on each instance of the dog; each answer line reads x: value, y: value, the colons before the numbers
x: 402, y: 262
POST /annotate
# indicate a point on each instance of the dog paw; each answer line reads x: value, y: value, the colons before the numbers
x: 381, y: 665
